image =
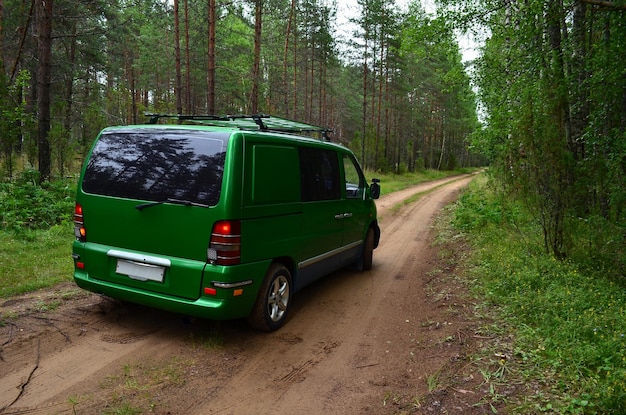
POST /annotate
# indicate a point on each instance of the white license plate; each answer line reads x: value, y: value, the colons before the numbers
x: 140, y: 271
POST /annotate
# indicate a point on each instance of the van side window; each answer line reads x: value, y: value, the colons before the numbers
x: 319, y: 174
x: 355, y: 182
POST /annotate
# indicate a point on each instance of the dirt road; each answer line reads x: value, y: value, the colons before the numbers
x: 379, y: 342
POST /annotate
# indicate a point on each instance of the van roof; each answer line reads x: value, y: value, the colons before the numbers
x: 254, y: 122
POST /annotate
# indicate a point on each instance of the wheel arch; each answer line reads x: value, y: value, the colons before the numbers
x: 288, y: 263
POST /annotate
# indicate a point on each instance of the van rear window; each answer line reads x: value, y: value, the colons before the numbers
x: 157, y: 164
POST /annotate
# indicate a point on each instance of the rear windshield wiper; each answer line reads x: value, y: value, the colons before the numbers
x: 170, y: 200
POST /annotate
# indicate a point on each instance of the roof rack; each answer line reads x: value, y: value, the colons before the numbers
x: 256, y: 122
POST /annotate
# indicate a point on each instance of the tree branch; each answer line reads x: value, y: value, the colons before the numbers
x: 605, y: 3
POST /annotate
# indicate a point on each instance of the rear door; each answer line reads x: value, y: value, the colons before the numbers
x: 149, y: 198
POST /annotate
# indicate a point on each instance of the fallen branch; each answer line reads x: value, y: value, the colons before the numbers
x: 370, y: 365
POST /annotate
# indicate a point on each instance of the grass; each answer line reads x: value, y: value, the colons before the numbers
x: 137, y: 385
x: 566, y: 317
x: 35, y: 259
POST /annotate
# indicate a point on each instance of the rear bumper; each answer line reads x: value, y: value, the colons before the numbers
x: 232, y: 297
x: 205, y: 306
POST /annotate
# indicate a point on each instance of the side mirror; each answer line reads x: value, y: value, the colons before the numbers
x: 375, y: 189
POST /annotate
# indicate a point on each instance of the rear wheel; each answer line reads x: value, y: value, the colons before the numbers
x: 367, y: 256
x: 272, y: 303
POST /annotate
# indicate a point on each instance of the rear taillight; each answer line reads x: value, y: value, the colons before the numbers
x: 225, y: 245
x: 79, y: 224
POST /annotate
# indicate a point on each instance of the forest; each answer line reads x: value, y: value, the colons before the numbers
x: 552, y: 82
x: 542, y: 109
x: 544, y: 105
x: 393, y: 88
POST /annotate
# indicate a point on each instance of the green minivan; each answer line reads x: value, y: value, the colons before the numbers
x: 219, y: 217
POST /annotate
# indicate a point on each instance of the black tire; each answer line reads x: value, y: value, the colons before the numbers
x: 273, y: 301
x: 367, y: 256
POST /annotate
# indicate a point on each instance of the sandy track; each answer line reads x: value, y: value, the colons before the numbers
x: 355, y: 342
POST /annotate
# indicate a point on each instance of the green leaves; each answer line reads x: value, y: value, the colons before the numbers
x: 26, y: 205
x: 550, y: 78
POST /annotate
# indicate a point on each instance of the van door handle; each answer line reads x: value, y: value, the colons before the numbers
x: 340, y: 216
x: 347, y: 215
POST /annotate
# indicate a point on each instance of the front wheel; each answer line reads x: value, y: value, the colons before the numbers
x: 272, y: 303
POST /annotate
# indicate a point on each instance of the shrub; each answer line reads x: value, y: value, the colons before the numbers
x: 24, y: 204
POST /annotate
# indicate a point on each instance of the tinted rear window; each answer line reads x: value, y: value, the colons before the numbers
x: 155, y: 165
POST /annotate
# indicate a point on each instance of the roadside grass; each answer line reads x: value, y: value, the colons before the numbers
x: 566, y: 318
x: 35, y: 233
x: 35, y: 259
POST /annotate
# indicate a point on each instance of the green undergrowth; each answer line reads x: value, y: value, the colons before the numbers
x: 27, y: 205
x: 35, y: 259
x: 566, y: 317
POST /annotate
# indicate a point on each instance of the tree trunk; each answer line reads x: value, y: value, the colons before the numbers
x: 69, y: 92
x: 580, y: 106
x: 1, y: 34
x: 256, y: 66
x: 23, y: 33
x: 132, y: 82
x: 211, y: 59
x: 178, y: 85
x: 295, y: 72
x: 364, y: 109
x: 292, y: 14
x: 188, y: 103
x: 44, y: 71
x: 311, y: 79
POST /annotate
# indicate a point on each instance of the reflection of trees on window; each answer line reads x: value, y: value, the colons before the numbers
x: 355, y: 182
x: 156, y: 165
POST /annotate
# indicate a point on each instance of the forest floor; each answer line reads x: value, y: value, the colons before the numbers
x: 402, y: 338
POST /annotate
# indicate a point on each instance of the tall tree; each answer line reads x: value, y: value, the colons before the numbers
x: 178, y: 85
x: 212, y: 10
x: 44, y: 9
x: 256, y: 66
x: 119, y: 58
x: 188, y: 70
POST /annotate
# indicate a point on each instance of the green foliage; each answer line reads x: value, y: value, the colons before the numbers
x: 25, y: 205
x: 567, y: 317
x: 551, y: 80
x: 441, y: 110
x: 34, y: 259
x: 476, y: 211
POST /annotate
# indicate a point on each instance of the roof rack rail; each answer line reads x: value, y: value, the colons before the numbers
x: 255, y: 122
